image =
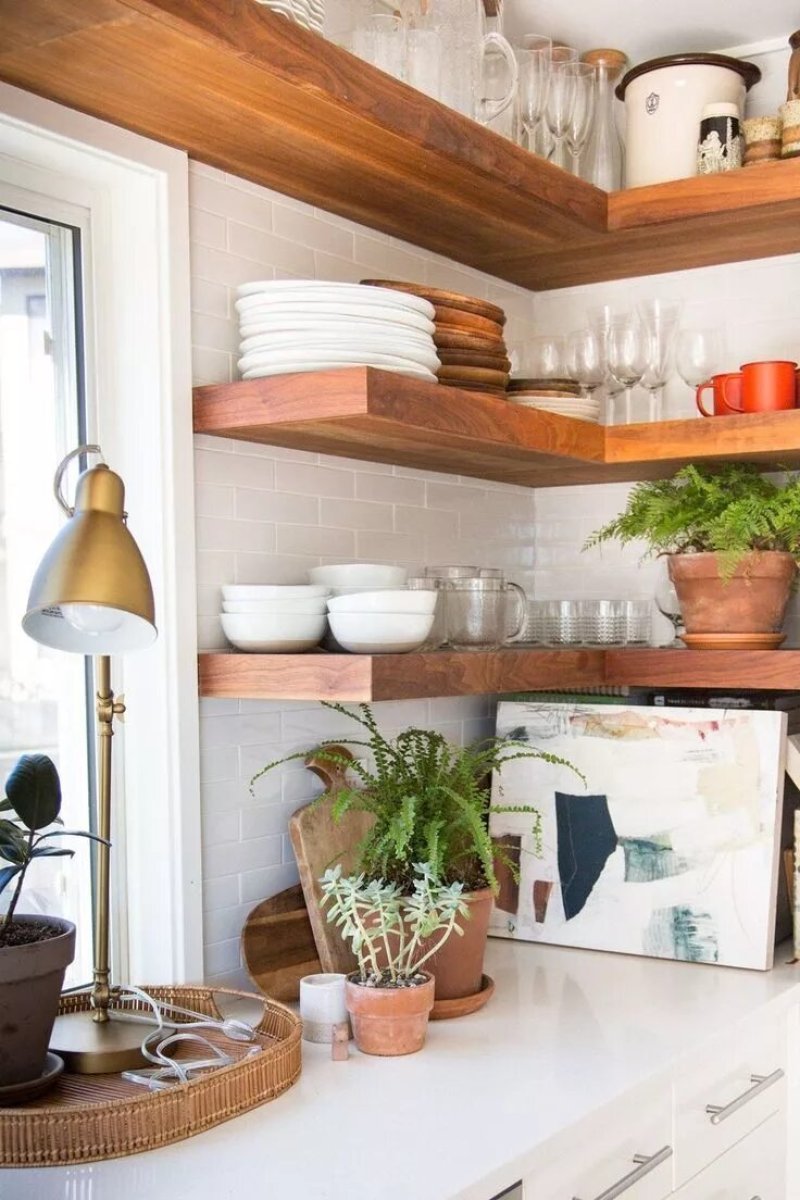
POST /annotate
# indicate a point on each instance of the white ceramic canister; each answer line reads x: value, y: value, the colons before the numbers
x: 664, y: 102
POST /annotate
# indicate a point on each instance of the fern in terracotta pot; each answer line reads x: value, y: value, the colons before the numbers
x: 732, y: 537
x: 429, y: 803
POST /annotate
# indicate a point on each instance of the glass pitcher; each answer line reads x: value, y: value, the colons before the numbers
x: 465, y: 45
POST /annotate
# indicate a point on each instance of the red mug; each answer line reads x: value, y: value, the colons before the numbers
x: 717, y: 384
x: 765, y: 387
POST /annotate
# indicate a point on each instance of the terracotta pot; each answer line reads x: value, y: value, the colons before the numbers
x: 458, y: 966
x: 31, y: 978
x: 390, y: 1021
x: 753, y: 601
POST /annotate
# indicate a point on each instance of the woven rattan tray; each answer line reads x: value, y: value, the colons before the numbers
x: 85, y: 1118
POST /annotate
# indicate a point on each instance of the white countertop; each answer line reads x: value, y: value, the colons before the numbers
x: 566, y: 1032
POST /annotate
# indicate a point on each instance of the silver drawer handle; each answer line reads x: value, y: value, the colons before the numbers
x: 645, y: 1164
x: 721, y: 1112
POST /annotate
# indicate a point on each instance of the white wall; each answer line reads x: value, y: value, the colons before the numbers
x: 267, y: 514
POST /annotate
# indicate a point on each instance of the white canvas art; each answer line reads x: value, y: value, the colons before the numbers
x: 671, y: 846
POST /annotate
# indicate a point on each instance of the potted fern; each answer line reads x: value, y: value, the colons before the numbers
x: 35, y: 951
x: 429, y: 803
x: 732, y: 537
x: 393, y: 935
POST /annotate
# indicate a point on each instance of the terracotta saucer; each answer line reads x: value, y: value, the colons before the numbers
x: 445, y: 1010
x: 451, y: 339
x: 434, y: 295
x: 18, y: 1093
x: 454, y: 320
x: 733, y: 641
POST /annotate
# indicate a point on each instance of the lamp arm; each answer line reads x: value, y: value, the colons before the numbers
x: 61, y: 468
x: 107, y: 708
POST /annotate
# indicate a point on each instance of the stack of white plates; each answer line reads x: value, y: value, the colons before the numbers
x: 274, y: 618
x: 291, y: 325
x: 308, y: 13
x: 582, y: 408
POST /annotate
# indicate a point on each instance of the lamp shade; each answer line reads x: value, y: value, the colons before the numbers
x: 92, y: 593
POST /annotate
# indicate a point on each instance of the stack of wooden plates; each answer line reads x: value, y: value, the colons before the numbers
x: 561, y: 396
x: 468, y: 336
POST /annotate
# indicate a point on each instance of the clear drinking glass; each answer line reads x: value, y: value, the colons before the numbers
x: 602, y: 622
x: 534, y: 79
x: 586, y: 359
x: 562, y: 623
x: 381, y: 40
x: 424, y: 58
x: 438, y: 634
x: 545, y: 357
x: 638, y: 622
x: 660, y: 320
x: 582, y: 110
x: 560, y: 100
x: 478, y: 613
x: 700, y: 354
x: 628, y: 349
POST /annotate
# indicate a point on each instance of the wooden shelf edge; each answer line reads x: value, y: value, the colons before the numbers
x: 442, y: 673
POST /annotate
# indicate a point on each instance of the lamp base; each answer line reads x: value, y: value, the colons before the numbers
x: 91, y: 1048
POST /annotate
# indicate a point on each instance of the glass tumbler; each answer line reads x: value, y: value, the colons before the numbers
x: 562, y: 623
x: 478, y: 616
x: 638, y: 622
x: 438, y: 634
x: 603, y: 622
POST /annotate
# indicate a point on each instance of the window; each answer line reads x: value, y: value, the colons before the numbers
x: 44, y: 702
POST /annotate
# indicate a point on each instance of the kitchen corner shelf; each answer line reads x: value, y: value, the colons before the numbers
x: 363, y: 413
x: 358, y: 677
x: 243, y: 89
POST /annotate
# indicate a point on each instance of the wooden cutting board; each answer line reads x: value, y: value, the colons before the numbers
x: 278, y: 944
x: 457, y: 375
x: 320, y: 842
x: 458, y: 300
x: 453, y: 320
x: 451, y: 340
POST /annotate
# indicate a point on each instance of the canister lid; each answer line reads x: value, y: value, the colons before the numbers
x: 749, y: 72
x: 721, y: 108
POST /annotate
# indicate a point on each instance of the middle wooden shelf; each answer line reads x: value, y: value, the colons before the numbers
x: 364, y: 413
x: 362, y: 677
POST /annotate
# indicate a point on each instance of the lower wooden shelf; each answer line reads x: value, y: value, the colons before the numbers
x: 362, y: 677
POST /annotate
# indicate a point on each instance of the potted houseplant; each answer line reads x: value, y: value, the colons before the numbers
x: 35, y: 951
x: 732, y: 537
x: 393, y: 933
x: 429, y: 802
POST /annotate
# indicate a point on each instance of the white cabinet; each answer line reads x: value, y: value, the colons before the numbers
x: 754, y: 1169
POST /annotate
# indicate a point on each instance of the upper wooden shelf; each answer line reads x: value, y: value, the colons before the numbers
x: 378, y: 416
x: 359, y: 677
x: 241, y: 88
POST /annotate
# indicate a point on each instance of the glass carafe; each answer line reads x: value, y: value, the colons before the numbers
x: 602, y: 159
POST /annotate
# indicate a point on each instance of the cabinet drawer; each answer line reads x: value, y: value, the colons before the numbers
x: 754, y: 1169
x: 622, y: 1136
x: 730, y: 1092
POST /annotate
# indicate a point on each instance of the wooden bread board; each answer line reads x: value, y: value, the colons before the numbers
x: 278, y: 944
x: 320, y: 842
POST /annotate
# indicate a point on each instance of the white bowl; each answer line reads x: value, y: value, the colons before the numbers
x: 292, y: 604
x: 367, y: 576
x: 388, y: 600
x: 273, y: 633
x: 272, y: 591
x: 380, y: 633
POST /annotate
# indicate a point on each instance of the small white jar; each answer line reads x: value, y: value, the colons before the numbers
x: 322, y: 1005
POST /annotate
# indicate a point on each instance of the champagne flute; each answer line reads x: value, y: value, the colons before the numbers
x: 582, y: 110
x: 628, y: 352
x: 534, y: 80
x: 560, y: 100
x: 660, y: 320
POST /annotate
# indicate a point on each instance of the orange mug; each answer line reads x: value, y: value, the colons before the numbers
x: 765, y: 387
x: 717, y: 383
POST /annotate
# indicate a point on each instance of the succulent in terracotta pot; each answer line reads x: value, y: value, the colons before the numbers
x: 393, y: 934
x: 430, y: 803
x: 35, y: 951
x: 732, y: 537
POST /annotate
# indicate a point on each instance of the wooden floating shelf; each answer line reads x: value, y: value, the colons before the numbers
x: 357, y: 677
x: 363, y: 413
x: 245, y: 90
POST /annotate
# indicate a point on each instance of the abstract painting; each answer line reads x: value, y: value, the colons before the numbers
x: 669, y: 845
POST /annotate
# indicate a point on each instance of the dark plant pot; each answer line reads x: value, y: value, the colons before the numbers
x: 458, y: 966
x: 754, y: 600
x: 31, y: 978
x: 389, y: 1021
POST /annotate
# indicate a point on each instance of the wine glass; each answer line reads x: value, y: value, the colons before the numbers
x: 628, y: 353
x: 660, y: 320
x: 534, y: 80
x: 586, y: 359
x: 700, y: 354
x: 668, y: 604
x: 545, y: 357
x: 582, y: 110
x: 560, y: 100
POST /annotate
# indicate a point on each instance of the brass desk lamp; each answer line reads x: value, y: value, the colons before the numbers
x: 92, y: 595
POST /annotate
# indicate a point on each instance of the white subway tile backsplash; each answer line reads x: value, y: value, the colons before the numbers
x: 211, y: 366
x: 210, y: 298
x: 265, y: 248
x: 267, y: 881
x: 357, y: 514
x: 316, y: 539
x: 208, y: 229
x: 314, y: 480
x: 218, y: 533
x: 237, y: 470
x: 287, y: 508
x: 306, y: 230
x: 389, y: 489
x: 230, y: 203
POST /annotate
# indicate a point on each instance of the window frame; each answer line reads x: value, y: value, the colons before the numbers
x: 137, y: 321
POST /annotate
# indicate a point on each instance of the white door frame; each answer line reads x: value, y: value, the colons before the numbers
x: 139, y: 389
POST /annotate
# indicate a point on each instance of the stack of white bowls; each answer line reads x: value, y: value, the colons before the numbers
x: 274, y: 618
x: 308, y: 13
x: 370, y: 611
x: 289, y: 325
